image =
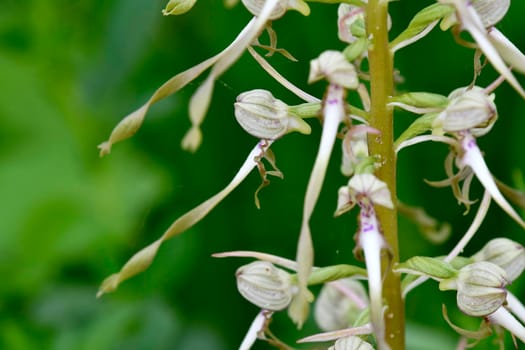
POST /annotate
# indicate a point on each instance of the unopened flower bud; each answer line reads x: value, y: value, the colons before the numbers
x: 351, y: 343
x: 333, y: 66
x: 355, y: 148
x: 178, y: 7
x: 505, y: 253
x: 350, y: 23
x: 265, y: 117
x: 491, y: 11
x: 339, y: 304
x: 255, y: 7
x: 481, y: 288
x: 265, y: 285
x: 469, y: 109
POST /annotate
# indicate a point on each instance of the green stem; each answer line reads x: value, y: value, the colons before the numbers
x: 381, y: 118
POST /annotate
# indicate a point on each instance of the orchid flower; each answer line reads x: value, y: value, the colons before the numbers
x: 366, y: 190
x: 272, y: 288
x: 263, y: 12
x: 478, y: 17
x: 480, y: 282
x: 475, y: 17
x: 470, y: 113
x: 481, y: 292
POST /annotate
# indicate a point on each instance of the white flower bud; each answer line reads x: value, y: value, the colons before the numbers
x: 491, y: 11
x: 265, y: 117
x: 339, y: 304
x: 333, y: 66
x: 351, y: 343
x: 255, y: 7
x: 265, y: 285
x: 505, y: 253
x: 481, y: 288
x: 469, y: 109
x: 350, y: 23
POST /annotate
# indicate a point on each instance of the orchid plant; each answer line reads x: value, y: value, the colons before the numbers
x: 349, y: 315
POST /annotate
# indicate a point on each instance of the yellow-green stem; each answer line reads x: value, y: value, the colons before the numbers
x: 381, y: 118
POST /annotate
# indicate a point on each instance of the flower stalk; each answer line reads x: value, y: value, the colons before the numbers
x: 381, y: 118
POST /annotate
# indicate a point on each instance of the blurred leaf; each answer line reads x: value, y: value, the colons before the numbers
x: 418, y: 338
x: 57, y: 196
x: 82, y: 322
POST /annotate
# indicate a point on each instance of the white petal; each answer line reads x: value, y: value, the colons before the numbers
x: 508, y: 51
x: 333, y: 113
x: 372, y: 242
x: 252, y: 334
x: 516, y: 306
x: 473, y: 158
x: 504, y: 318
x: 472, y: 23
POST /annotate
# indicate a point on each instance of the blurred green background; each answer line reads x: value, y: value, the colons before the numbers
x: 70, y: 70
